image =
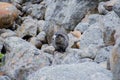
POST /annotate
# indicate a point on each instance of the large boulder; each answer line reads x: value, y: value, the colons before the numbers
x: 22, y: 58
x: 66, y: 13
x: 27, y: 28
x: 8, y: 14
x: 115, y: 61
x: 83, y: 71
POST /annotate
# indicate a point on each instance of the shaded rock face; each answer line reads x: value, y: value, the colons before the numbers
x: 116, y: 8
x: 66, y: 13
x: 8, y: 14
x: 115, y: 61
x: 28, y: 28
x: 23, y: 58
x: 83, y: 71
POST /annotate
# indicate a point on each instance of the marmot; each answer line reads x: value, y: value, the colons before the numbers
x: 60, y: 41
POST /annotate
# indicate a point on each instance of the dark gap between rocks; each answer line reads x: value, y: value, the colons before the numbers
x: 27, y: 37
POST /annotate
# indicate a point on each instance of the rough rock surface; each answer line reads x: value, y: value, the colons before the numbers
x: 67, y: 15
x: 8, y: 14
x: 21, y: 56
x: 83, y: 71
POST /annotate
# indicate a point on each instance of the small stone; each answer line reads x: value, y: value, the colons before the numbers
x: 76, y: 34
x: 8, y: 14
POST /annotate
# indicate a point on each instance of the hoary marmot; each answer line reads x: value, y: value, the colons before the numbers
x: 60, y: 40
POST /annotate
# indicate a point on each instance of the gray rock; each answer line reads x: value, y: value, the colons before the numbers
x: 116, y: 8
x: 74, y: 57
x: 103, y: 54
x: 92, y: 36
x: 28, y: 28
x: 72, y: 40
x: 101, y: 8
x: 82, y: 27
x: 110, y: 20
x: 108, y: 36
x: 66, y: 13
x: 93, y: 18
x: 36, y: 42
x: 41, y: 36
x: 22, y: 58
x: 4, y: 78
x: 1, y: 43
x: 115, y: 61
x: 35, y: 10
x: 4, y: 33
x: 83, y: 71
x: 49, y: 49
x: 40, y: 24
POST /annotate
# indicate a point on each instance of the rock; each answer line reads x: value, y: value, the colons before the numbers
x: 93, y: 18
x: 116, y: 8
x: 82, y: 27
x: 109, y: 4
x: 67, y: 15
x: 73, y: 40
x: 36, y: 42
x: 83, y: 71
x: 103, y: 64
x: 108, y: 36
x: 4, y: 78
x: 103, y: 54
x: 40, y: 24
x: 91, y: 36
x: 35, y: 10
x: 101, y: 8
x: 1, y: 43
x: 49, y: 49
x: 110, y: 20
x: 5, y: 0
x: 90, y: 51
x: 76, y: 33
x: 115, y: 61
x: 22, y: 58
x: 42, y: 37
x: 73, y: 56
x: 8, y: 14
x: 4, y: 33
x: 27, y: 28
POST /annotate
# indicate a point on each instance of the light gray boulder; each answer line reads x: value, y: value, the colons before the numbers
x: 83, y: 71
x: 22, y: 58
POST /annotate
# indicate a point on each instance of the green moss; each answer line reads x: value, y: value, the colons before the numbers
x: 1, y: 55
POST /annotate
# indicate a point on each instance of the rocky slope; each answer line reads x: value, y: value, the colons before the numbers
x: 27, y: 27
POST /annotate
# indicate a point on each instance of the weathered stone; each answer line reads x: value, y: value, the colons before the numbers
x: 49, y: 49
x: 115, y: 61
x: 82, y: 27
x: 40, y: 24
x: 67, y: 15
x: 36, y: 42
x: 4, y: 78
x: 41, y: 36
x: 116, y: 8
x: 101, y: 8
x: 91, y: 36
x: 103, y: 54
x: 4, y: 33
x: 76, y: 33
x: 22, y: 58
x: 83, y: 71
x: 73, y: 40
x: 8, y: 14
x: 28, y: 28
x: 35, y: 10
